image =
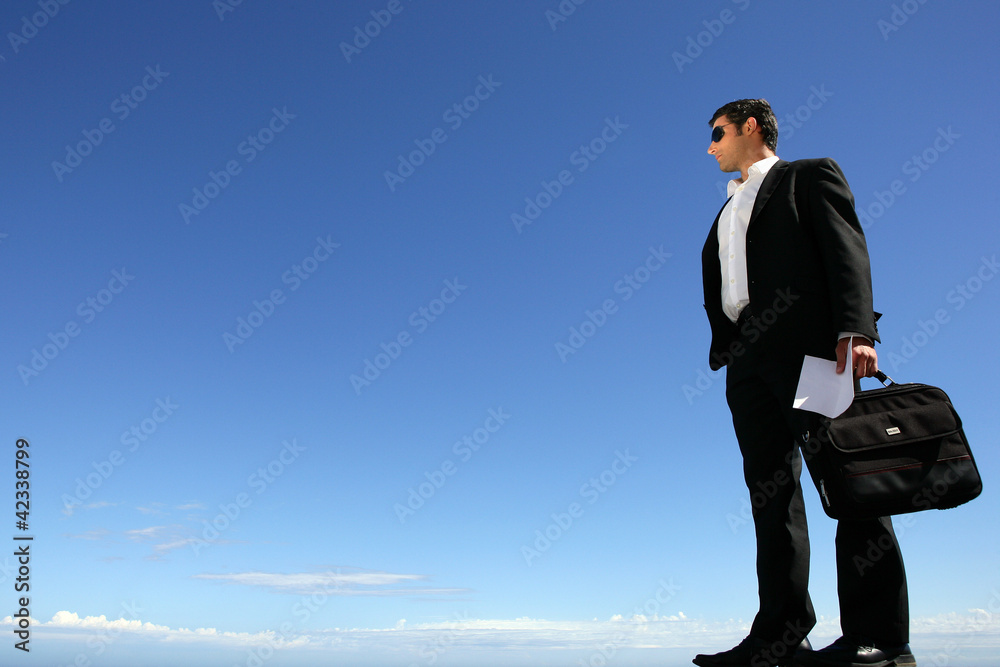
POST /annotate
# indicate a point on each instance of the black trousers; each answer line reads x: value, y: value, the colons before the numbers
x: 871, y: 581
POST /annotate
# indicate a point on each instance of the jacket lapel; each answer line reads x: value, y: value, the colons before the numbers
x: 767, y: 188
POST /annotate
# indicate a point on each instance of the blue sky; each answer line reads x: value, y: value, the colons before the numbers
x: 389, y: 348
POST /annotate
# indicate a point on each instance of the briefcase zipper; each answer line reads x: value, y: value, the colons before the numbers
x: 822, y: 493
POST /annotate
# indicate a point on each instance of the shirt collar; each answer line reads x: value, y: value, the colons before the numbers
x: 757, y: 169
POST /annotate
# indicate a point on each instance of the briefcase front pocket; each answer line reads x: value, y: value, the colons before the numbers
x: 896, y: 450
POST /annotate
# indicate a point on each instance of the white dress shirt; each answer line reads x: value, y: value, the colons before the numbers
x: 733, y: 240
x: 733, y: 237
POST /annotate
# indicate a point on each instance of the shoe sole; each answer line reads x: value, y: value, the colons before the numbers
x: 905, y: 660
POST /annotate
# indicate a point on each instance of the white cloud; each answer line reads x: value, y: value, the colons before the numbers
x: 977, y: 623
x: 99, y: 504
x: 69, y: 509
x: 521, y: 633
x: 164, y: 538
x: 968, y: 635
x: 179, y: 543
x: 70, y: 623
x: 92, y: 535
x: 191, y: 506
x: 339, y: 582
x: 149, y: 533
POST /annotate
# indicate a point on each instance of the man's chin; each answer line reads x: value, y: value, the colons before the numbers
x: 726, y: 170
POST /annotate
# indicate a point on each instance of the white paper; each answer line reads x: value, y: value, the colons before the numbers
x: 821, y: 389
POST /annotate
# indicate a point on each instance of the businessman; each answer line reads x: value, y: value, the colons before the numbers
x: 786, y: 274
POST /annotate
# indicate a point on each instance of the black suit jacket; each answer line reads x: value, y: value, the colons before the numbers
x: 807, y: 266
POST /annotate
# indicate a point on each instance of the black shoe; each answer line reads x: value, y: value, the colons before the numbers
x: 848, y: 652
x: 754, y: 652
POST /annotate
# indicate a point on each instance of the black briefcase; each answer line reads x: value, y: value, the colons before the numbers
x: 897, y: 449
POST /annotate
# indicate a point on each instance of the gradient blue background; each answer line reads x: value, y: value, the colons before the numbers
x: 677, y: 514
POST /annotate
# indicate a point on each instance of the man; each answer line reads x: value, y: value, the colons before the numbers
x: 786, y: 274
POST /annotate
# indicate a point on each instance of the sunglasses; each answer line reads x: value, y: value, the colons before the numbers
x: 718, y: 132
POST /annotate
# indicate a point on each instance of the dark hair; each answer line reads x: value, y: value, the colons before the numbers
x: 739, y: 111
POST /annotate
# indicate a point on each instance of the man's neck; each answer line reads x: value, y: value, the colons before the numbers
x: 762, y: 154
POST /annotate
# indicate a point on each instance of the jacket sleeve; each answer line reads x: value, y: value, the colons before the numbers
x: 843, y: 250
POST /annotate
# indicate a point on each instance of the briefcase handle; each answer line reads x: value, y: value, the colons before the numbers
x: 884, y: 379
x: 880, y: 376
